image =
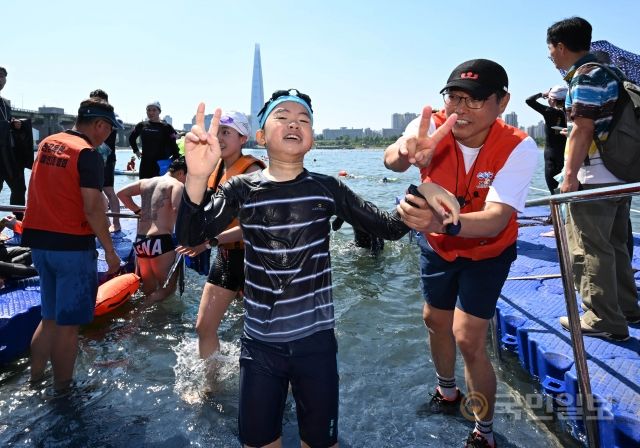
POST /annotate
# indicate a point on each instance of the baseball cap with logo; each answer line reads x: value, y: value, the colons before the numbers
x: 98, y: 111
x: 479, y: 78
x: 237, y: 121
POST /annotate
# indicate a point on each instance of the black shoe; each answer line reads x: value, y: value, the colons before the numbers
x: 440, y: 405
x: 475, y: 440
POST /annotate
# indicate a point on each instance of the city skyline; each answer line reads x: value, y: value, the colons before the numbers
x: 359, y: 61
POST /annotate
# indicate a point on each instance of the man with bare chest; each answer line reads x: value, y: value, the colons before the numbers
x: 154, y: 247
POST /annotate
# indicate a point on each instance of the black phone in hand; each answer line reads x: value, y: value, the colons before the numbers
x: 414, y: 191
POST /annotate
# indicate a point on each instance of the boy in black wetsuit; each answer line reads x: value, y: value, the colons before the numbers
x: 284, y: 212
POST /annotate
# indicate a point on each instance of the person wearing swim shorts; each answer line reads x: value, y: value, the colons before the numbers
x: 65, y: 213
x: 154, y: 246
x: 489, y: 166
x: 284, y: 212
x: 226, y: 276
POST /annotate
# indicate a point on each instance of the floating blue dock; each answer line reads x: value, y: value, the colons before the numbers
x: 20, y: 299
x: 19, y: 316
x: 531, y: 302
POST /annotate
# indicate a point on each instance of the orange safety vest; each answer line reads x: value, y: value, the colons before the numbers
x: 239, y: 167
x: 474, y: 186
x: 55, y: 203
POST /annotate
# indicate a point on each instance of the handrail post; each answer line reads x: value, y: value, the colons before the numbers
x: 589, y: 412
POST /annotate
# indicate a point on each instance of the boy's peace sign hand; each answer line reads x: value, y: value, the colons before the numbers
x: 419, y: 149
x: 202, y: 148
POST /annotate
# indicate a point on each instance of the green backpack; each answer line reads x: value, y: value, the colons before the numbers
x: 621, y: 151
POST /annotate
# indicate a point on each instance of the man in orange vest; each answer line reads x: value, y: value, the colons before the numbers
x: 65, y: 213
x: 488, y: 165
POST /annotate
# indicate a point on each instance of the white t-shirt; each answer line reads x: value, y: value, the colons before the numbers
x: 511, y: 184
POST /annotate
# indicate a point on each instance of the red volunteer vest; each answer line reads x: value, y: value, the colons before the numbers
x: 474, y: 186
x: 55, y: 202
x: 240, y: 166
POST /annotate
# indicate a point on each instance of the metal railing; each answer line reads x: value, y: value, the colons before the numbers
x: 22, y: 208
x: 577, y: 343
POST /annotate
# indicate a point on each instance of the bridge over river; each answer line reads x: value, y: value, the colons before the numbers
x: 50, y: 120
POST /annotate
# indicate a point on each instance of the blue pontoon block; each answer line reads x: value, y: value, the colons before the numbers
x: 615, y: 384
x: 19, y: 316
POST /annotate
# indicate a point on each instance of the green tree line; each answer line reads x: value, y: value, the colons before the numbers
x: 375, y: 141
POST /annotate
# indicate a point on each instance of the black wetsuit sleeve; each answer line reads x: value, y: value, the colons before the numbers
x: 172, y: 142
x: 197, y: 223
x: 134, y: 136
x: 366, y: 216
x: 532, y: 102
x: 91, y: 169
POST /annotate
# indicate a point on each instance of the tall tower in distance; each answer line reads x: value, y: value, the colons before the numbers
x: 257, y: 92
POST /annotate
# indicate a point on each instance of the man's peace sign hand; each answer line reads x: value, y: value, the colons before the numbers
x: 419, y: 149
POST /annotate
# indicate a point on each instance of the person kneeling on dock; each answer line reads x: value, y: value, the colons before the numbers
x: 154, y: 246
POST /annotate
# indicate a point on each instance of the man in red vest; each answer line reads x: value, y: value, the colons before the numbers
x: 65, y: 213
x: 488, y: 165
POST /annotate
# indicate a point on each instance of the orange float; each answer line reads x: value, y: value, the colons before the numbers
x: 115, y: 292
x: 342, y: 173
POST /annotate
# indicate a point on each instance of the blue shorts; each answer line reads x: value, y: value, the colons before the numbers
x: 68, y: 284
x: 266, y: 369
x: 472, y: 286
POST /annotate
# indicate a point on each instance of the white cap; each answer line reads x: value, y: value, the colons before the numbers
x: 237, y: 121
x: 558, y: 92
x: 155, y: 104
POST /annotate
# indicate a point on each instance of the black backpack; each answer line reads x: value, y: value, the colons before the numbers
x: 621, y: 151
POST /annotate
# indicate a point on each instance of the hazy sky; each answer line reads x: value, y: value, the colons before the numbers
x: 360, y: 61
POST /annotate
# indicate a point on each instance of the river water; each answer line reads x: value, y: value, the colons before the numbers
x: 140, y: 382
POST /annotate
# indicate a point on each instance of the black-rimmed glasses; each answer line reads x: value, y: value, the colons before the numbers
x: 451, y: 99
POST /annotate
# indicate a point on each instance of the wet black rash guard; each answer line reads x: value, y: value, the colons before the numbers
x: 286, y: 228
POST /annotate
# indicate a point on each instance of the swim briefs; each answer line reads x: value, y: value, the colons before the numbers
x: 153, y: 245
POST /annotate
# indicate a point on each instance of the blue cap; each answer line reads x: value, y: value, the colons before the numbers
x: 100, y: 112
x: 283, y: 99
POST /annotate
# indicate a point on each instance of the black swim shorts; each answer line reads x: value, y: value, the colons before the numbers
x: 266, y: 370
x: 227, y: 270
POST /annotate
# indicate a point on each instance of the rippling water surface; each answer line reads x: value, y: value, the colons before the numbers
x: 140, y: 382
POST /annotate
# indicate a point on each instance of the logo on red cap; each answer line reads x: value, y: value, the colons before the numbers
x: 469, y: 75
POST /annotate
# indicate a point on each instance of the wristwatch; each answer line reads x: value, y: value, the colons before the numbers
x: 453, y: 229
x: 213, y: 242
